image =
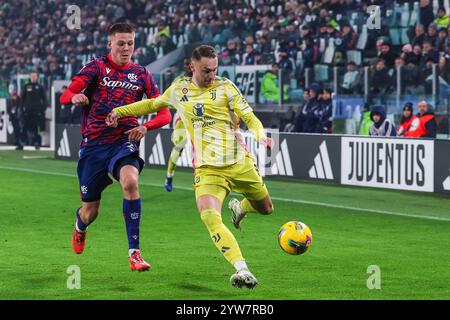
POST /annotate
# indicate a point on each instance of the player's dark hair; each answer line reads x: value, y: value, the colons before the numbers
x: 120, y: 28
x: 203, y: 51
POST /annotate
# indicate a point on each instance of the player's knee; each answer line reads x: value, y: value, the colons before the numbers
x: 129, y: 185
x: 266, y: 210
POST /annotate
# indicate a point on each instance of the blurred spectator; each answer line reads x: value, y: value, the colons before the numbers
x: 419, y: 35
x: 387, y: 55
x: 407, y: 52
x: 428, y: 52
x: 75, y: 65
x: 416, y: 56
x: 444, y: 70
x: 442, y: 40
x: 15, y: 114
x: 285, y: 62
x: 406, y: 120
x: 424, y: 123
x: 382, y: 126
x: 310, y: 53
x: 324, y: 112
x: 310, y: 120
x: 193, y: 33
x: 381, y: 79
x: 349, y: 37
x: 442, y: 19
x: 230, y: 56
x: 350, y: 81
x: 432, y: 34
x: 298, y: 121
x: 426, y: 12
x: 249, y: 55
x: 270, y: 86
x: 33, y: 104
x: 366, y: 121
x: 412, y: 80
x: 164, y: 43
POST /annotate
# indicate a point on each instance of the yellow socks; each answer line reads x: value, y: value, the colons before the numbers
x: 222, y: 237
x: 246, y: 206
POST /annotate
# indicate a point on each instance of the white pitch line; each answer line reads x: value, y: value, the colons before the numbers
x: 314, y: 203
x: 35, y: 157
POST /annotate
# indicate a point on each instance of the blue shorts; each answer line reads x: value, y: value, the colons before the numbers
x: 98, y: 165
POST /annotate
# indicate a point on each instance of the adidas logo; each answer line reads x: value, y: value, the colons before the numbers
x: 446, y: 184
x: 64, y: 148
x: 185, y: 159
x: 184, y: 99
x: 321, y: 168
x: 157, y: 155
x: 282, y: 165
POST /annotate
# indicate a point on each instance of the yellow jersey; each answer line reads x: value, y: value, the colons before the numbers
x: 209, y: 116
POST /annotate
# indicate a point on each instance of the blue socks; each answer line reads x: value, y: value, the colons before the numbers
x: 80, y: 225
x: 132, y: 215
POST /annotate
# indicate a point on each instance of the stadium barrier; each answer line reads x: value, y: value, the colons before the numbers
x: 393, y: 163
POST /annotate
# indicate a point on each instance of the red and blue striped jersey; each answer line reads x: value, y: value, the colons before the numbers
x: 109, y: 86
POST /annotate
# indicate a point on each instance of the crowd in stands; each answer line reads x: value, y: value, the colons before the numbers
x: 289, y: 35
x: 295, y: 34
x: 315, y: 116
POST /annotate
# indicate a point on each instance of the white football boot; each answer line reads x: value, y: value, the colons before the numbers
x: 243, y: 278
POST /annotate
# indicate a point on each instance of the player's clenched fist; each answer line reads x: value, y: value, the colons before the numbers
x: 112, y: 119
x: 80, y: 99
x: 267, y: 142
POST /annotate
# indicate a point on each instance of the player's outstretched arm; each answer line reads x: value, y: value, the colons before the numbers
x: 139, y: 108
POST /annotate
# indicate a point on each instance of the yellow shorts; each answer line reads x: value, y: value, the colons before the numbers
x: 243, y: 178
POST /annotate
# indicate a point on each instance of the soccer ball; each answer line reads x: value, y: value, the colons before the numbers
x: 295, y: 237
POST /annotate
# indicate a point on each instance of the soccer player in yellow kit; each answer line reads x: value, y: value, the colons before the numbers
x: 222, y: 163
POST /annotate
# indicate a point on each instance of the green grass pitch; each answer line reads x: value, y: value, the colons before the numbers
x: 39, y: 196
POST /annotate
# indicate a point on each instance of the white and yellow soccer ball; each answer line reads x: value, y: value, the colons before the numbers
x: 295, y: 237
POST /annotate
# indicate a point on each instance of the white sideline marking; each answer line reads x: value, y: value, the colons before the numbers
x: 25, y: 148
x: 315, y: 203
x: 35, y: 157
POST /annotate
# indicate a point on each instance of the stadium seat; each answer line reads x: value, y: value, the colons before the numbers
x: 321, y: 73
x: 394, y: 34
x: 355, y: 56
x: 405, y: 14
x: 404, y: 36
x: 362, y: 39
x: 329, y: 53
x: 414, y: 18
x: 299, y: 60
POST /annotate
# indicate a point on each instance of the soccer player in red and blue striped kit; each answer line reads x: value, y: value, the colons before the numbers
x: 106, y: 152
